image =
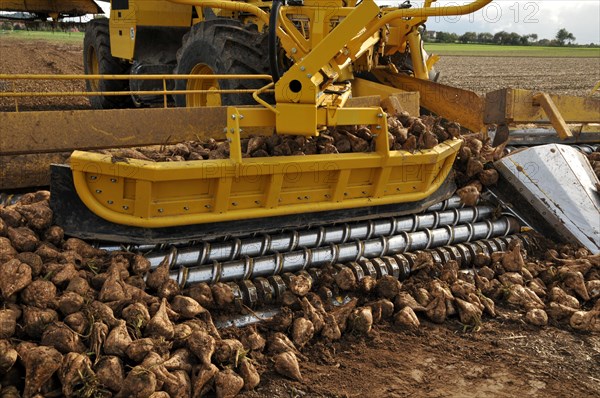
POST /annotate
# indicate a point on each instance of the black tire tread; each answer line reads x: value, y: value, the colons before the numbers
x: 228, y: 47
x: 97, y: 36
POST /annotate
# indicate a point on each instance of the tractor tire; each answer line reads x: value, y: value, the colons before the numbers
x: 222, y: 46
x: 97, y: 59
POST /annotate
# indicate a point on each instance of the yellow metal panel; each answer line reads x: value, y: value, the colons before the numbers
x: 183, y: 193
x: 360, y: 177
x: 222, y: 194
x: 122, y: 37
x: 124, y: 23
x: 380, y: 182
x: 128, y: 189
x: 271, y: 197
x: 557, y: 121
x: 339, y: 188
x: 456, y: 104
x: 93, y: 129
x: 297, y: 119
x: 143, y: 196
x: 162, y: 13
x: 249, y: 185
x: 518, y: 106
x: 351, y: 116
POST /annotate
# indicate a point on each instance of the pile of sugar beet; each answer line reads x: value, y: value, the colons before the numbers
x: 405, y: 132
x: 76, y: 321
x: 473, y: 168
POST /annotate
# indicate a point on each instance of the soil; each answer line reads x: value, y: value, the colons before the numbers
x: 41, y: 57
x: 503, y: 357
x: 574, y: 76
x: 566, y: 76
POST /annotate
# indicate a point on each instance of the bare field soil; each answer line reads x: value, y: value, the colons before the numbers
x: 41, y: 57
x: 505, y: 357
x: 571, y: 76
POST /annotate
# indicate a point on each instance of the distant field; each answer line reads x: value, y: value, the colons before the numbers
x: 491, y: 50
x: 49, y: 36
x: 471, y: 50
x: 479, y: 68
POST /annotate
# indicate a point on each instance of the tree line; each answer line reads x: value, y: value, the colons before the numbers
x: 43, y: 26
x: 563, y: 37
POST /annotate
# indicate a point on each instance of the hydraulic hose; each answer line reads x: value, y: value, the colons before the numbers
x: 273, y: 45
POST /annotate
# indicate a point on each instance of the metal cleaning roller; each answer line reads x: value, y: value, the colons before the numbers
x: 264, y: 291
x: 207, y: 252
x: 156, y: 252
x: 294, y: 261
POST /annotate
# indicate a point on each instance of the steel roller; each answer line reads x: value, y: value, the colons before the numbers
x: 269, y: 290
x: 207, y: 252
x: 201, y: 252
x: 303, y: 259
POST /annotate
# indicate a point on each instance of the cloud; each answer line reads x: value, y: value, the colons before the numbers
x: 546, y: 17
x: 543, y: 17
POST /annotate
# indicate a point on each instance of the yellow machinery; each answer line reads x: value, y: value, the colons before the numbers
x: 310, y: 65
x: 324, y: 45
x: 231, y: 37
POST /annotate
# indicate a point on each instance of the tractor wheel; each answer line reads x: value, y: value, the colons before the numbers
x: 97, y: 60
x: 221, y: 46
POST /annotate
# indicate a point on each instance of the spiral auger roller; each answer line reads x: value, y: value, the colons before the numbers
x: 259, y: 269
x: 269, y: 291
x: 447, y: 213
x: 293, y: 261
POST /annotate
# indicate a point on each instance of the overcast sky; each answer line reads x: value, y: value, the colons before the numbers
x: 543, y: 17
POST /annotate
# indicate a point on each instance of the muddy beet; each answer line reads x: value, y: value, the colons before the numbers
x: 286, y: 364
x: 14, y: 277
x: 40, y: 364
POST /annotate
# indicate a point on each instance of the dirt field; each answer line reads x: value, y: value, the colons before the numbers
x: 506, y: 357
x: 481, y: 74
x: 41, y: 57
x: 571, y: 76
